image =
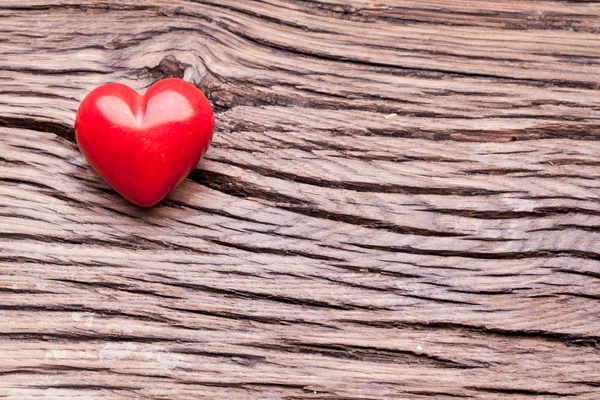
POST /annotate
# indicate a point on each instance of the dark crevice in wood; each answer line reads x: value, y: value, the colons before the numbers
x: 520, y: 392
x: 316, y: 212
x: 499, y: 292
x: 280, y: 252
x: 590, y: 274
x: 586, y: 383
x: 539, y: 212
x: 516, y: 255
x: 582, y: 295
x: 244, y: 359
x: 79, y: 337
x: 21, y: 181
x: 135, y: 242
x: 19, y: 163
x: 57, y: 128
x: 375, y: 270
x: 351, y: 284
x: 116, y: 286
x: 23, y: 291
x: 439, y: 299
x: 436, y: 394
x: 102, y: 6
x: 568, y: 339
x: 367, y: 186
x: 215, y: 211
x: 87, y: 387
x: 52, y: 369
x: 238, y: 188
x: 39, y: 151
x: 80, y: 308
x: 244, y: 385
x: 572, y: 161
x: 503, y: 171
x: 363, y: 353
x: 265, y: 296
x: 566, y: 227
x: 247, y: 317
x: 36, y: 94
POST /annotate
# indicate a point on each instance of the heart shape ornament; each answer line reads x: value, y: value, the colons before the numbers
x: 144, y: 146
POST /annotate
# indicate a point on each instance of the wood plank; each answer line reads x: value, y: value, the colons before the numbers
x: 401, y: 201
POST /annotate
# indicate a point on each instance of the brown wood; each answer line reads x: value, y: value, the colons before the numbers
x: 402, y: 201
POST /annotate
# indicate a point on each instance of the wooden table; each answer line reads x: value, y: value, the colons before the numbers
x: 402, y: 201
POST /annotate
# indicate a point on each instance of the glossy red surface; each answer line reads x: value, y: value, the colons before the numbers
x: 144, y: 146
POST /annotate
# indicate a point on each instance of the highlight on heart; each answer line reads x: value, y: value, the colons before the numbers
x: 144, y: 146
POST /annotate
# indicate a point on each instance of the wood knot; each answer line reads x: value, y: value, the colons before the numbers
x: 168, y: 67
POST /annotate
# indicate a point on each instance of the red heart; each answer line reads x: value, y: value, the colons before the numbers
x: 144, y: 146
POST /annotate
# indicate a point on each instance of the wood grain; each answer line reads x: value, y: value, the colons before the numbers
x: 401, y: 202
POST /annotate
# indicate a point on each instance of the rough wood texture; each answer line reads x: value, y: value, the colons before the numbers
x: 325, y: 248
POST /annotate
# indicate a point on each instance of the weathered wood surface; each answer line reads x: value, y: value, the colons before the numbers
x: 321, y: 250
